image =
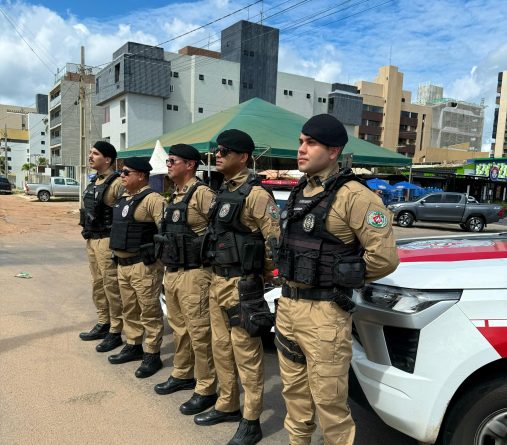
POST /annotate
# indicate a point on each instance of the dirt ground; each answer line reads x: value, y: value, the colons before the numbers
x: 21, y: 214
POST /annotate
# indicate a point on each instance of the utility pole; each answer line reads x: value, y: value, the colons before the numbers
x: 82, y: 136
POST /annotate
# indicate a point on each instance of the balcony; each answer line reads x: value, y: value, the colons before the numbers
x: 412, y: 135
x: 55, y: 140
x: 409, y: 121
x: 56, y: 101
x: 56, y: 160
x: 372, y: 116
x: 406, y: 150
x: 367, y: 129
x: 54, y: 121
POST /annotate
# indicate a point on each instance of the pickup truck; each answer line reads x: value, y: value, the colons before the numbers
x: 57, y: 187
x: 449, y: 208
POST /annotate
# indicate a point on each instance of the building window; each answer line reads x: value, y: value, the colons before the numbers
x: 175, y: 107
x: 250, y: 86
x: 171, y: 88
x: 107, y: 115
x: 285, y: 92
x: 200, y: 110
x: 201, y: 76
x: 403, y: 99
x: 42, y: 133
x: 229, y: 82
x: 224, y: 81
x: 122, y: 108
x: 117, y: 73
x: 245, y: 85
x: 245, y: 52
x: 319, y: 99
x: 251, y: 53
x: 308, y: 96
x: 43, y: 142
x: 43, y: 151
x: 169, y: 106
x: 97, y: 85
x: 323, y: 100
x: 123, y: 141
x: 176, y: 74
x: 290, y: 92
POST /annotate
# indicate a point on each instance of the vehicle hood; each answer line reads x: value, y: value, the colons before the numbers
x: 451, y: 264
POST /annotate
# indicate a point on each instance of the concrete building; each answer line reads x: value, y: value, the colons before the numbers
x: 177, y: 89
x: 64, y: 119
x: 38, y: 131
x: 428, y: 93
x: 446, y: 155
x: 499, y: 146
x: 389, y: 118
x: 14, y: 148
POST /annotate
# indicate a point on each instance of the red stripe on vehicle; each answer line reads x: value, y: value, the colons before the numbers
x: 496, y: 336
x: 407, y: 256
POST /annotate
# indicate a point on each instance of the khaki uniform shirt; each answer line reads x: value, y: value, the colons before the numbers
x: 115, y: 189
x: 198, y: 206
x: 150, y: 209
x: 356, y: 212
x: 259, y: 212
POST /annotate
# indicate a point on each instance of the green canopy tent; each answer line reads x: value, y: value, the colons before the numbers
x: 274, y: 130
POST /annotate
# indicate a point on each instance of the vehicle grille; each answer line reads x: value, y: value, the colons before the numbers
x: 402, y: 346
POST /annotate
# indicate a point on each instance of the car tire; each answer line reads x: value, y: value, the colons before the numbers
x: 405, y: 219
x: 479, y: 417
x: 43, y: 196
x: 475, y: 224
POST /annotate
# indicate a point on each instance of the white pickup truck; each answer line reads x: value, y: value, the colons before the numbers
x: 57, y: 187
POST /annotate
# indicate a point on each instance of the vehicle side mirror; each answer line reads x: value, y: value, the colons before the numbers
x: 422, y: 202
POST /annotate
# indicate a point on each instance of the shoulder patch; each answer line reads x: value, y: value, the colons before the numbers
x: 274, y: 211
x: 377, y: 219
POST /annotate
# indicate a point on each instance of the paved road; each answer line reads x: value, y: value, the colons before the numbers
x: 56, y: 389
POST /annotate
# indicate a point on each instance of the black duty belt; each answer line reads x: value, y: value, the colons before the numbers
x: 310, y: 293
x: 228, y: 272
x: 176, y: 269
x: 99, y: 235
x: 129, y: 261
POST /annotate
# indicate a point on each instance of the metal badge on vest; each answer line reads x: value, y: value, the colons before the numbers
x: 127, y: 234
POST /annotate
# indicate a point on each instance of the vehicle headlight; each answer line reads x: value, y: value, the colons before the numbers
x: 393, y: 206
x: 407, y: 301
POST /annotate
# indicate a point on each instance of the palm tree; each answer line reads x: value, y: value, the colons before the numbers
x: 27, y: 167
x: 42, y: 162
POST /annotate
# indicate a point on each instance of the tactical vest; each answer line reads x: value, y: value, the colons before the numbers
x: 127, y: 234
x: 308, y: 253
x: 96, y: 217
x: 180, y: 245
x: 230, y: 244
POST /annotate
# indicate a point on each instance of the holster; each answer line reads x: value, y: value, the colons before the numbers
x: 147, y: 253
x: 252, y: 313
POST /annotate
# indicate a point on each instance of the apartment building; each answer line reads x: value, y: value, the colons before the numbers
x: 64, y: 119
x: 499, y: 146
x: 38, y: 131
x: 175, y: 89
x: 389, y: 118
x: 14, y: 150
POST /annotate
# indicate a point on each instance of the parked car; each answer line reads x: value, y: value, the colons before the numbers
x: 5, y: 186
x: 57, y: 187
x: 430, y: 340
x: 449, y: 208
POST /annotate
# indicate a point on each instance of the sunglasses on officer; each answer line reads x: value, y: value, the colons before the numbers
x: 222, y: 150
x: 125, y: 172
x: 172, y: 161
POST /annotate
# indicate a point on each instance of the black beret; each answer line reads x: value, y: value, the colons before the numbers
x: 236, y: 140
x: 327, y: 130
x: 138, y: 164
x: 185, y: 151
x: 106, y: 149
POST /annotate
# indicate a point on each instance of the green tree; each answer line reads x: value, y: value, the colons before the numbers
x: 42, y: 162
x: 27, y: 168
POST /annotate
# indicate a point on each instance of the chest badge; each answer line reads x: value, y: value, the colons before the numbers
x: 309, y: 223
x: 176, y: 216
x: 125, y: 210
x: 224, y: 210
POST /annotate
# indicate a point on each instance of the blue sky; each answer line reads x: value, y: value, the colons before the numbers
x: 458, y: 44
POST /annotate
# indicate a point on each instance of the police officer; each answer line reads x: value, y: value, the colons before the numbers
x: 242, y: 219
x: 96, y: 218
x: 335, y: 235
x: 135, y: 219
x: 187, y: 282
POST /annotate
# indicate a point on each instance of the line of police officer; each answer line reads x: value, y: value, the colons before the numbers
x: 333, y: 235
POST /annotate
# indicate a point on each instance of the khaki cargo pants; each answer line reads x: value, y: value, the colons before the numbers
x: 235, y: 352
x: 105, y: 290
x: 187, y: 300
x: 323, y: 331
x: 140, y: 287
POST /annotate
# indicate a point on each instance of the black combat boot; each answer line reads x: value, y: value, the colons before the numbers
x: 248, y: 433
x: 174, y: 384
x: 98, y: 332
x: 150, y: 365
x: 112, y: 341
x: 198, y: 403
x: 129, y: 353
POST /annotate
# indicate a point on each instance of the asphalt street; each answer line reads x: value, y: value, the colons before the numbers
x: 56, y: 388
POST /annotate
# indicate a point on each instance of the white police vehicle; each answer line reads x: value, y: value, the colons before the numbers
x: 430, y: 341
